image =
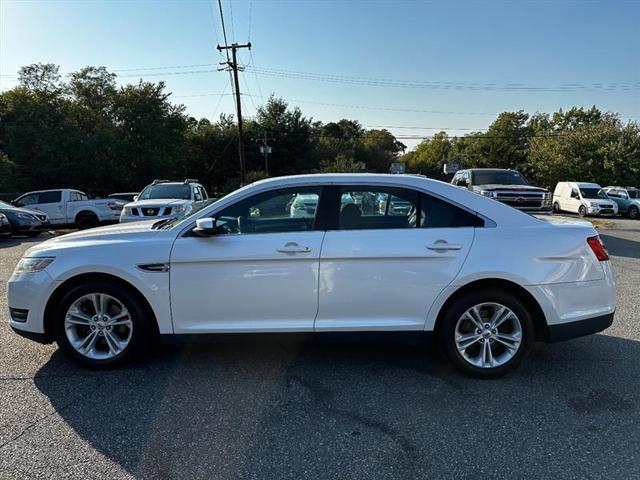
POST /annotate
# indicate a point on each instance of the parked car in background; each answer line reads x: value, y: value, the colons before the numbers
x: 24, y: 221
x: 124, y: 197
x: 5, y: 226
x: 164, y: 200
x: 583, y: 198
x: 67, y: 207
x: 470, y: 269
x: 121, y: 200
x: 506, y: 186
x: 627, y: 198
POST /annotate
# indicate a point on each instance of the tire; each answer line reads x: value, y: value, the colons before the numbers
x: 633, y: 213
x: 69, y: 331
x: 582, y: 211
x: 470, y: 360
x: 87, y: 220
x: 556, y: 207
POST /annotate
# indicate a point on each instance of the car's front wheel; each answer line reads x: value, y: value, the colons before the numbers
x: 486, y: 333
x: 556, y: 207
x: 99, y: 324
x: 633, y: 213
x: 582, y: 211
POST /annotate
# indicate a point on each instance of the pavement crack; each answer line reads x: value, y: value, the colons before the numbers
x: 49, y: 415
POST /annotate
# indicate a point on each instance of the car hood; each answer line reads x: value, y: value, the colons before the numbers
x: 119, y: 233
x: 21, y: 210
x: 158, y: 202
x: 524, y: 188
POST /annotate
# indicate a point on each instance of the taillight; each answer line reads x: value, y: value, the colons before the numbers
x: 598, y: 248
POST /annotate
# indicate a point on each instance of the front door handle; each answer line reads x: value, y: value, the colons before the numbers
x: 293, y: 247
x: 443, y: 245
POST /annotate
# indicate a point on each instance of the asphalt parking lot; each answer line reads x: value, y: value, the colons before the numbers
x: 349, y: 410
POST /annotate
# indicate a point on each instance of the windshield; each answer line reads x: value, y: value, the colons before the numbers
x: 498, y: 177
x: 593, y: 193
x: 153, y: 192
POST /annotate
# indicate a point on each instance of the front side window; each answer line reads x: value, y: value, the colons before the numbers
x: 633, y: 193
x: 49, y: 197
x: 276, y: 211
x: 28, y: 199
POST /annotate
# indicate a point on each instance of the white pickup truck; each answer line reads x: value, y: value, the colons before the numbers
x: 70, y: 207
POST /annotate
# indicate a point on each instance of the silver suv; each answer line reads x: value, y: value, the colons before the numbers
x: 164, y: 199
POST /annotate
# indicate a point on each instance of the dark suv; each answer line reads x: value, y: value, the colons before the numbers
x: 506, y: 186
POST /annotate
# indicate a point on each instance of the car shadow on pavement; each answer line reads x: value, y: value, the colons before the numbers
x: 350, y: 410
x: 621, y: 247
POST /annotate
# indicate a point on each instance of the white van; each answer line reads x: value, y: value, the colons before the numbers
x: 583, y: 199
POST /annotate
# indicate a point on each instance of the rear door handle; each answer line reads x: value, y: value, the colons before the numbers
x: 293, y: 247
x: 443, y: 245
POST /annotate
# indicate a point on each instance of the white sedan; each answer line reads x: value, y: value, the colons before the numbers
x: 488, y: 279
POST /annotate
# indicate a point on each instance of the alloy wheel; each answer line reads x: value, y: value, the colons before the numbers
x: 98, y: 326
x: 488, y: 335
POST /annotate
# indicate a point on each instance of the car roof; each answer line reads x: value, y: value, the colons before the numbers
x: 586, y: 184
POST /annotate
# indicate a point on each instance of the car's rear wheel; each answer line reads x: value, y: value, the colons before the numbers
x: 633, y: 213
x: 87, y: 220
x: 100, y: 325
x: 582, y: 211
x: 486, y: 333
x: 556, y: 207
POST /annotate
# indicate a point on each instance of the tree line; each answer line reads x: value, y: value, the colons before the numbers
x: 87, y: 132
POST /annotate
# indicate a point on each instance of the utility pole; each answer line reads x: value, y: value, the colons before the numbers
x: 233, y: 65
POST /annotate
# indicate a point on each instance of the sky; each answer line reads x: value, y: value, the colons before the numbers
x: 415, y: 67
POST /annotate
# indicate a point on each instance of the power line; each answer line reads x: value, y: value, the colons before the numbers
x: 441, y: 85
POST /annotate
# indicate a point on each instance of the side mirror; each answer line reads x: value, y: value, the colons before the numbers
x: 206, y: 227
x: 16, y: 203
x: 463, y: 183
x: 135, y: 198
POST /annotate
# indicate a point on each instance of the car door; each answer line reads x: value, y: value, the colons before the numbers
x: 573, y: 201
x: 259, y: 273
x: 49, y: 202
x: 619, y: 197
x: 382, y: 267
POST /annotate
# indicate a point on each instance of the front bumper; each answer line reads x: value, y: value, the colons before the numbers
x: 30, y: 291
x: 5, y: 229
x: 587, y: 326
x: 600, y: 211
x: 28, y: 227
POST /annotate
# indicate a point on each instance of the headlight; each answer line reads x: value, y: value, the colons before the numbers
x: 31, y: 265
x: 488, y: 193
x: 180, y: 209
x: 3, y: 219
x: 25, y: 216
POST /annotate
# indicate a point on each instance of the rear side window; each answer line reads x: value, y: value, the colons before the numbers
x: 50, y: 197
x: 437, y: 213
x: 381, y: 208
x: 365, y: 208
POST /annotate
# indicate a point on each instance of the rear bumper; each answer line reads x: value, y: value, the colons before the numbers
x: 580, y: 328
